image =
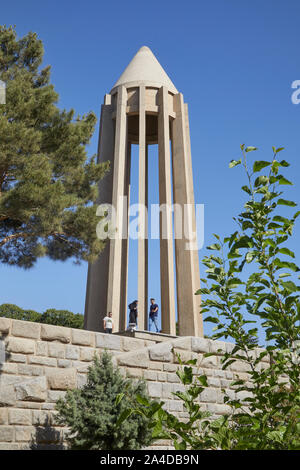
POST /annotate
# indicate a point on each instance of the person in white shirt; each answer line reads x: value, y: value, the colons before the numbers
x: 108, y: 323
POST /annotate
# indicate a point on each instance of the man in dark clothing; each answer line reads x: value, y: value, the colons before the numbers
x: 133, y: 312
x: 153, y: 314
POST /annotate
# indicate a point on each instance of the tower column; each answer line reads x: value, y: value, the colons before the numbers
x: 143, y: 216
x: 97, y: 280
x: 116, y: 243
x: 187, y: 265
x: 166, y: 230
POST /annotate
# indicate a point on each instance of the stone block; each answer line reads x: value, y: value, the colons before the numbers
x: 3, y: 415
x: 25, y: 329
x: 155, y: 365
x: 64, y: 363
x: 139, y: 359
x: 43, y: 361
x: 29, y: 405
x: 41, y: 418
x: 9, y: 368
x: 32, y: 390
x: 55, y: 333
x: 161, y: 376
x: 18, y: 358
x: 209, y: 362
x: 170, y: 367
x: 183, y: 343
x: 26, y: 369
x: 42, y: 348
x: 132, y: 344
x: 19, y: 416
x: 87, y: 354
x: 161, y: 352
x: 54, y: 395
x: 175, y: 405
x: 72, y: 352
x: 150, y: 375
x: 6, y: 434
x: 134, y: 372
x: 240, y: 366
x: 24, y: 433
x: 106, y: 341
x: 7, y: 395
x: 172, y: 378
x: 213, y: 382
x: 83, y: 338
x: 9, y: 446
x: 218, y: 409
x: 5, y: 324
x: 218, y: 347
x: 56, y: 350
x: 20, y: 345
x: 201, y: 345
x: 209, y: 395
x: 155, y: 389
x: 62, y: 379
x: 181, y: 355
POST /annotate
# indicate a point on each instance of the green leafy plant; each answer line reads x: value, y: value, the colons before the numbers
x: 92, y: 412
x: 238, y: 303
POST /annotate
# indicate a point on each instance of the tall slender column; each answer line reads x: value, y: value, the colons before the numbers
x: 187, y: 266
x: 97, y: 281
x: 166, y: 231
x: 116, y: 244
x: 125, y: 241
x: 143, y: 219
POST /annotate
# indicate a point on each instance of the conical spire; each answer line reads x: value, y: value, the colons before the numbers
x: 145, y: 68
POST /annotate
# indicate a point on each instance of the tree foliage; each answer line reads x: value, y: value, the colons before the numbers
x: 236, y: 299
x: 51, y: 316
x: 92, y: 412
x: 47, y: 184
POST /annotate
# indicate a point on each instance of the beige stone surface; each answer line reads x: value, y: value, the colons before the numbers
x: 55, y: 333
x: 20, y: 345
x: 32, y: 390
x: 19, y: 416
x: 4, y: 325
x: 61, y: 379
x: 83, y: 338
x: 25, y: 329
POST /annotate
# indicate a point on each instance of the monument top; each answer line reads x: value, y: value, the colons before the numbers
x: 145, y: 68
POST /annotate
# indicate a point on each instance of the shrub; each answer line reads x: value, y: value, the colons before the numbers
x: 92, y: 412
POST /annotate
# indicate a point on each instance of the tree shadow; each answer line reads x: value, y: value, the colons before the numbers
x: 47, y: 437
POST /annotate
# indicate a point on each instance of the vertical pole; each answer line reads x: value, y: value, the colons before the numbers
x: 166, y: 231
x: 187, y: 265
x: 116, y: 244
x: 97, y: 281
x: 143, y: 225
x: 125, y: 241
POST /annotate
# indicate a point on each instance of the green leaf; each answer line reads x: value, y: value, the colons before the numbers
x: 285, y: 202
x: 234, y: 163
x: 214, y: 246
x: 289, y: 286
x: 283, y: 180
x: 119, y: 398
x: 286, y: 251
x: 250, y: 149
x: 259, y: 165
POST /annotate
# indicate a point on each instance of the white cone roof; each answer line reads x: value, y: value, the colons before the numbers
x: 145, y: 68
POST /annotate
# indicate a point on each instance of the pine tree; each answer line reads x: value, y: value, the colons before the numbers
x: 91, y: 413
x: 48, y: 187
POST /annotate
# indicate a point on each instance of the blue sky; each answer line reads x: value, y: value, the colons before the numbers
x: 233, y: 61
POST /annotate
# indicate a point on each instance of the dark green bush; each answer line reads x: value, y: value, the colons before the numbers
x: 92, y: 412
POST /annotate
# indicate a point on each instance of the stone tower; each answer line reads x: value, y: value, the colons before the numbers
x: 145, y: 108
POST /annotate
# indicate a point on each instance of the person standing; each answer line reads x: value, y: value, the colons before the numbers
x: 108, y: 323
x: 133, y: 314
x: 153, y: 314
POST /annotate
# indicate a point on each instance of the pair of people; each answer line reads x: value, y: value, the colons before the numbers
x: 108, y: 323
x: 153, y: 314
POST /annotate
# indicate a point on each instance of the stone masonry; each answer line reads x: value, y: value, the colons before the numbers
x: 41, y: 362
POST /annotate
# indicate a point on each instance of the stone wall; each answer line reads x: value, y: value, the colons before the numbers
x: 42, y: 361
